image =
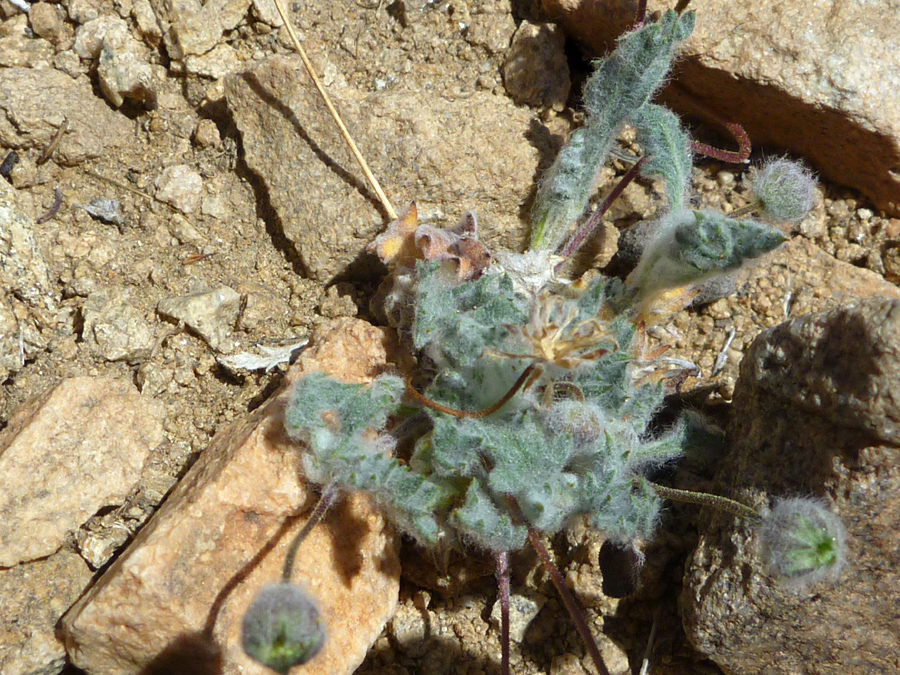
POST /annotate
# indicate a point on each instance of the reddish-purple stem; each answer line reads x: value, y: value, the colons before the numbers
x: 640, y: 15
x: 328, y: 497
x: 587, y: 229
x: 569, y: 601
x: 739, y: 157
x: 502, y: 560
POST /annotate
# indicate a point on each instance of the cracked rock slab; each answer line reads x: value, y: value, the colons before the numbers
x: 177, y: 596
x: 63, y: 456
x: 817, y: 78
x: 815, y: 414
x: 450, y: 156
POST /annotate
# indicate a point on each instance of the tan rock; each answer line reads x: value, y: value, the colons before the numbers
x: 33, y: 596
x: 27, y: 94
x: 815, y: 414
x: 817, y: 78
x: 176, y: 597
x: 197, y: 33
x: 536, y: 72
x: 63, y: 456
x: 324, y: 209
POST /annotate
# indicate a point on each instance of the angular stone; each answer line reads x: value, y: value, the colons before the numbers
x: 115, y: 329
x: 792, y: 74
x: 815, y: 413
x: 211, y: 314
x: 536, y: 71
x: 37, y: 100
x: 28, y: 299
x: 197, y: 33
x: 34, y: 596
x: 317, y: 190
x: 180, y: 186
x: 178, y: 594
x: 68, y: 453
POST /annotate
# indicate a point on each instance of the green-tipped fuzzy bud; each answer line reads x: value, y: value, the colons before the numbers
x: 784, y: 190
x: 803, y: 543
x: 282, y: 627
x: 691, y: 246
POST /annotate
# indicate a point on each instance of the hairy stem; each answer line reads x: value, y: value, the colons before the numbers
x: 705, y: 499
x: 326, y: 499
x: 502, y: 560
x: 568, y: 600
x: 348, y: 139
x: 592, y: 223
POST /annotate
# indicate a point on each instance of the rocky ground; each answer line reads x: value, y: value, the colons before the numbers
x: 181, y: 204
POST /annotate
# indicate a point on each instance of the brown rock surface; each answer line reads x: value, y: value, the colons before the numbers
x: 817, y: 78
x: 33, y: 103
x: 176, y: 597
x: 815, y: 414
x: 33, y: 596
x: 331, y: 216
x: 65, y: 455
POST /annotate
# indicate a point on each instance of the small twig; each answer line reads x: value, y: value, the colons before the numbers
x: 385, y: 202
x: 502, y: 560
x: 54, y: 142
x: 328, y: 497
x: 645, y: 665
x: 742, y: 156
x: 122, y: 186
x: 526, y: 379
x: 57, y: 202
x: 723, y: 355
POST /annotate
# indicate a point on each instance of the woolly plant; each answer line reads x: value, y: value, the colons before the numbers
x: 534, y: 400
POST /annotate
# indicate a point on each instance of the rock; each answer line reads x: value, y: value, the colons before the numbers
x: 211, y: 314
x: 522, y: 610
x: 192, y: 571
x: 327, y: 212
x: 815, y: 413
x: 34, y: 596
x: 28, y: 298
x: 46, y: 22
x: 197, y: 33
x: 124, y: 73
x: 267, y: 13
x: 77, y: 448
x: 180, y: 186
x: 207, y: 135
x: 18, y: 48
x: 791, y: 75
x: 38, y: 99
x: 148, y: 23
x: 115, y: 329
x: 536, y: 71
x: 220, y: 61
x: 90, y: 36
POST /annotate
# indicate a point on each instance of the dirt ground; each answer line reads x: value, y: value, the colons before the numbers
x: 235, y: 238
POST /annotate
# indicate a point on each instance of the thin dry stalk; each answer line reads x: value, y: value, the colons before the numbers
x: 376, y: 186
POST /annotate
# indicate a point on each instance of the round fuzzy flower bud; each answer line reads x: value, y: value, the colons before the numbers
x: 282, y: 627
x: 803, y: 542
x: 785, y: 190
